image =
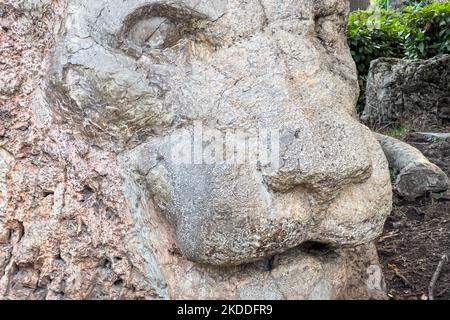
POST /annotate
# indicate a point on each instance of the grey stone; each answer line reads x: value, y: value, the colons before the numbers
x: 359, y: 4
x: 6, y: 161
x: 417, y: 176
x: 415, y: 93
x: 232, y: 66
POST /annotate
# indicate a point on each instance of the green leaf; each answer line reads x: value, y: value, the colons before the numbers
x: 437, y: 195
x: 421, y: 47
x: 420, y: 30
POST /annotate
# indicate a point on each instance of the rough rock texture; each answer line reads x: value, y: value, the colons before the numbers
x: 6, y: 160
x: 64, y: 232
x: 94, y: 96
x: 430, y: 136
x: 414, y: 92
x: 417, y: 176
x: 359, y: 4
x: 396, y: 3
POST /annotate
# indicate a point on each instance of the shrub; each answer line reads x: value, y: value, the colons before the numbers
x: 379, y: 3
x: 427, y: 30
x: 419, y: 3
x: 371, y: 35
x: 418, y: 31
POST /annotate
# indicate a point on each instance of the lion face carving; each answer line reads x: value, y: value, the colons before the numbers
x: 196, y: 92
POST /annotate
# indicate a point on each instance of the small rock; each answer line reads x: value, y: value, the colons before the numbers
x: 398, y: 224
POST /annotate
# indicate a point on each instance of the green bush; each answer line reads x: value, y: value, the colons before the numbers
x: 427, y: 30
x: 379, y: 3
x: 419, y: 31
x: 419, y: 3
x: 371, y: 35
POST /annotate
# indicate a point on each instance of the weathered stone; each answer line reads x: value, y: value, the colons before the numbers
x: 417, y: 176
x: 229, y: 77
x: 415, y: 93
x: 109, y: 197
x: 6, y: 161
x: 359, y: 4
x: 396, y: 3
x: 430, y: 136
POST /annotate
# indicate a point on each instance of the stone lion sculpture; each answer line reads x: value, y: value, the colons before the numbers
x: 231, y: 144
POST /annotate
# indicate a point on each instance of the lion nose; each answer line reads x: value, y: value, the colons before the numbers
x: 324, y: 157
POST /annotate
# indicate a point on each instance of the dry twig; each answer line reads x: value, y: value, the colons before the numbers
x: 405, y: 281
x: 388, y: 236
x: 436, y: 275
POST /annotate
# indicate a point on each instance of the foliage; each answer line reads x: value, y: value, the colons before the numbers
x: 419, y: 31
x: 398, y: 132
x: 419, y: 3
x: 437, y: 196
x: 371, y: 35
x: 438, y: 139
x: 379, y: 4
x: 427, y: 30
x: 393, y: 173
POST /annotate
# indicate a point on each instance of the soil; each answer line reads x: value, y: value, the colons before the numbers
x: 417, y: 235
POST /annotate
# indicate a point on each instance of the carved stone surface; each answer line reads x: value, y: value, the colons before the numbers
x: 105, y: 199
x: 5, y: 166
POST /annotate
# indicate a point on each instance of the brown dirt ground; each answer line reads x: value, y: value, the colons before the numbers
x: 417, y: 234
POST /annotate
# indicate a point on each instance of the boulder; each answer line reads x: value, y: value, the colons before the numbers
x: 415, y: 93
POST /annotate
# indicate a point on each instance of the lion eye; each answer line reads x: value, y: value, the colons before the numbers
x: 154, y: 33
x: 156, y: 27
